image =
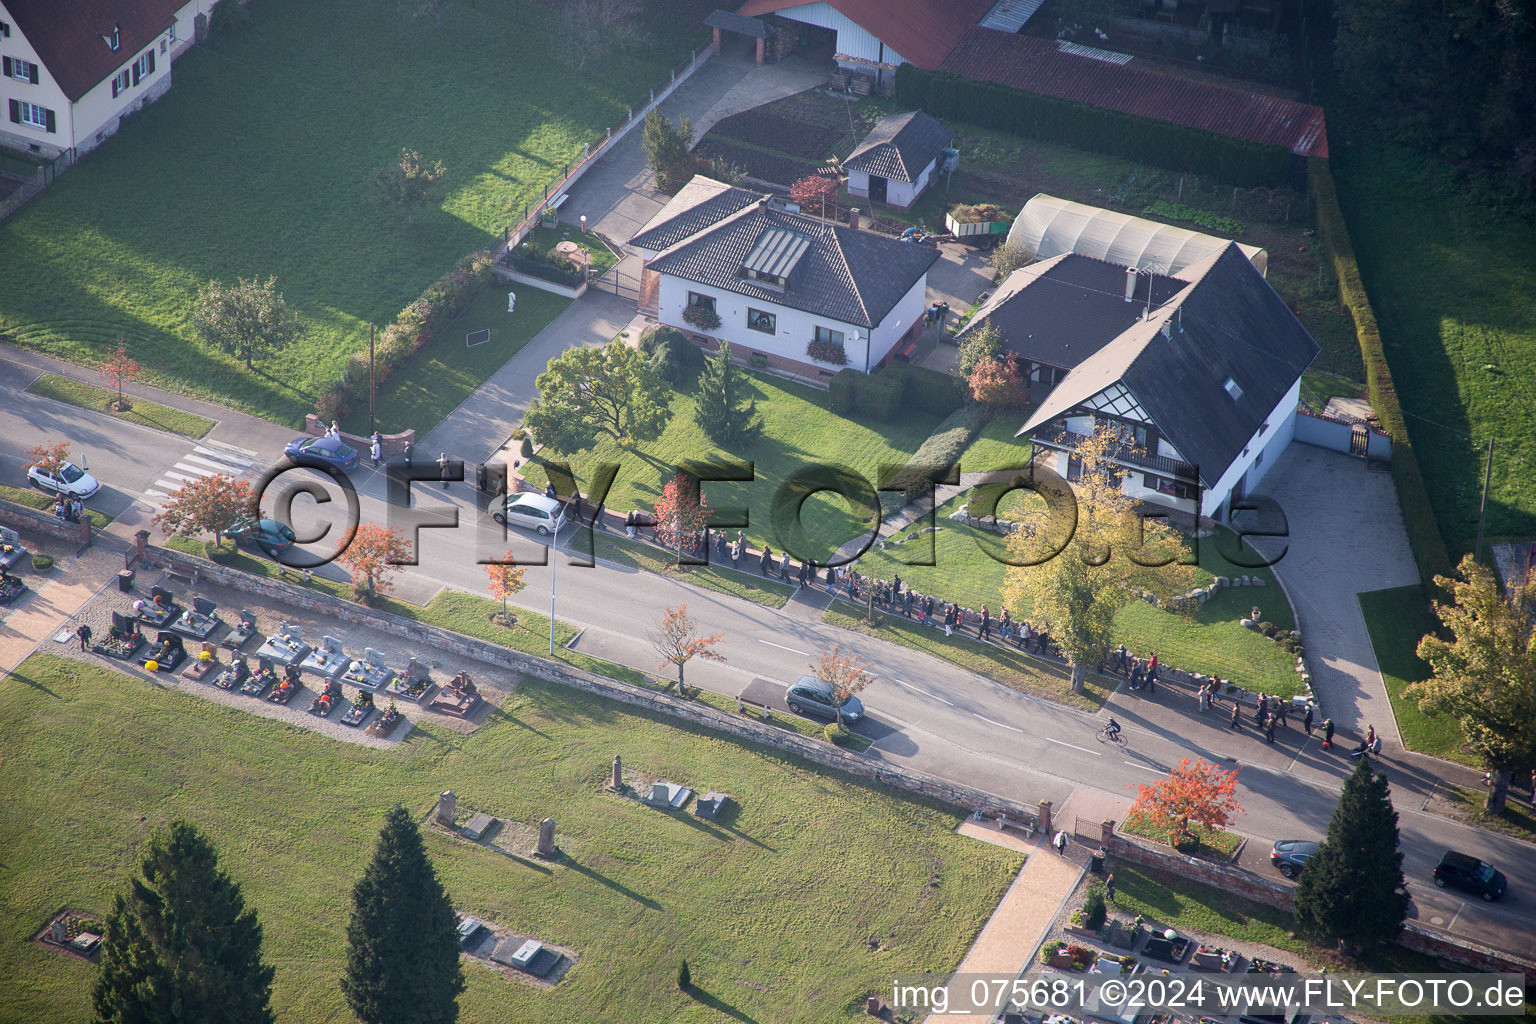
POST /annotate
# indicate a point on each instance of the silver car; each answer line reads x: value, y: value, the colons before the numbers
x: 532, y: 511
x: 811, y: 696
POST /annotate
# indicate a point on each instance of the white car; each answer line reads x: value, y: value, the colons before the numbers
x: 534, y: 511
x: 70, y: 481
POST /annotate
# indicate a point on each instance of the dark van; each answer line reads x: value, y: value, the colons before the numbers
x: 1460, y: 871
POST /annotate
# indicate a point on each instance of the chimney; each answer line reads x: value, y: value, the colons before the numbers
x: 853, y: 217
x: 1130, y: 283
x: 1181, y: 319
x: 1168, y: 328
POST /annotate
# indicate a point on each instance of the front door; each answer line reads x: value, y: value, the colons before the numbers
x: 876, y: 189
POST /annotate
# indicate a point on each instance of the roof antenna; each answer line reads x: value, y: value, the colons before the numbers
x: 1181, y: 319
x: 1149, y: 296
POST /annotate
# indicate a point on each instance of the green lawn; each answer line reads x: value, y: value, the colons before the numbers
x: 144, y: 413
x: 435, y: 380
x: 1397, y: 620
x: 37, y: 499
x: 1214, y: 844
x: 636, y: 555
x: 545, y: 239
x: 1453, y: 283
x: 287, y: 119
x: 758, y: 904
x: 1317, y: 387
x: 799, y: 432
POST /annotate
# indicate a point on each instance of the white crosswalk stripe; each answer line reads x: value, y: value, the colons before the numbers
x: 206, y: 459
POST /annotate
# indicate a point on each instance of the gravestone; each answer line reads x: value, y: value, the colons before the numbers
x: 711, y: 806
x: 547, y: 837
x: 447, y: 805
x: 478, y: 826
x: 57, y: 930
x: 618, y: 773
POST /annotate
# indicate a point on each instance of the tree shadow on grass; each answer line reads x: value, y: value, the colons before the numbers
x: 496, y: 714
x: 33, y: 683
x: 618, y: 887
x: 719, y: 1005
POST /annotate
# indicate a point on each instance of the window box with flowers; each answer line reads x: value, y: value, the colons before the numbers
x: 702, y: 317
x: 827, y: 352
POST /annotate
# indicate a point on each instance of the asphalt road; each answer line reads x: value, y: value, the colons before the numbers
x: 926, y: 713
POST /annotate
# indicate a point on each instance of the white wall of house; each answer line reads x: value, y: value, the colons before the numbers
x: 795, y: 328
x: 852, y: 39
x: 1260, y: 453
x: 46, y: 94
x: 858, y: 183
x: 98, y: 113
x: 899, y: 194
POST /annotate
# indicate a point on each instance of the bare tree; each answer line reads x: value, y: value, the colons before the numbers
x: 677, y: 642
x: 847, y: 674
x: 596, y: 27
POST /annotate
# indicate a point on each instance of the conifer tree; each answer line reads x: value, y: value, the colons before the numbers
x: 181, y: 946
x: 1353, y: 891
x: 722, y: 408
x: 403, y: 942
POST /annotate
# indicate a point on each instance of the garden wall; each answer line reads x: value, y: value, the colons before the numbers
x: 21, y: 518
x: 540, y: 283
x: 891, y: 776
x: 1429, y: 550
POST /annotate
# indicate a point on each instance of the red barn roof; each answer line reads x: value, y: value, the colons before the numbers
x: 1037, y: 65
x: 73, y: 39
x: 922, y: 31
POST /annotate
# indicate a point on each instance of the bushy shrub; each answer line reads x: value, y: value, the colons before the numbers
x: 42, y: 563
x: 674, y: 356
x: 1094, y: 910
x: 879, y: 396
x: 840, y: 390
x: 222, y: 552
x: 547, y: 265
x: 934, y: 458
x: 928, y: 390
x: 1048, y: 950
x: 654, y: 335
x: 332, y: 403
x: 525, y: 449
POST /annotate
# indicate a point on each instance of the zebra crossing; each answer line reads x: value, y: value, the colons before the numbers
x: 207, y: 458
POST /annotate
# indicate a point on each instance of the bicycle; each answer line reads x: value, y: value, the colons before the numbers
x: 1106, y: 735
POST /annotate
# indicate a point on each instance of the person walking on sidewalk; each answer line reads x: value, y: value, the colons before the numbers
x: 1306, y: 720
x: 1237, y: 716
x: 442, y: 465
x: 1269, y: 728
x: 375, y: 448
x: 986, y: 624
x: 765, y: 563
x: 1060, y: 842
x: 1327, y: 734
x: 736, y: 553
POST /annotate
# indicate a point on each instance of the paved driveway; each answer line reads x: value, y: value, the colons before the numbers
x: 1346, y: 537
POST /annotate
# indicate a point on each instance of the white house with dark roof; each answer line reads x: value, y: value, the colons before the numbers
x: 810, y: 296
x: 1200, y: 370
x: 897, y: 159
x: 70, y: 70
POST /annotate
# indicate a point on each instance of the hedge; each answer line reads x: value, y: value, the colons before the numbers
x: 894, y: 390
x: 934, y: 458
x: 1429, y: 550
x: 1175, y: 146
x: 929, y: 390
x: 548, y: 266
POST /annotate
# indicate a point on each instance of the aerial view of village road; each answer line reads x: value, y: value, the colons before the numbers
x: 795, y: 512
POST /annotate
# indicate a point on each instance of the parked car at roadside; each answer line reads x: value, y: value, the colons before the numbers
x: 532, y: 511
x: 321, y: 452
x: 1460, y: 871
x: 1289, y: 856
x: 269, y: 535
x: 810, y: 696
x: 69, y: 480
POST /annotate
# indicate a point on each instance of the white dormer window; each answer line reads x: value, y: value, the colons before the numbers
x: 1233, y: 389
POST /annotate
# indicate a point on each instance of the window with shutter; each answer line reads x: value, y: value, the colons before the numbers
x: 15, y: 112
x: 115, y: 89
x: 5, y: 65
x: 32, y: 70
x: 51, y: 125
x: 150, y: 56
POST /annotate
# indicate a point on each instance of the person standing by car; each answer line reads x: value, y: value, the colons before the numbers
x: 375, y: 449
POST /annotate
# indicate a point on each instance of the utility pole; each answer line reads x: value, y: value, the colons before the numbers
x: 372, y: 425
x: 1482, y: 511
x: 554, y: 574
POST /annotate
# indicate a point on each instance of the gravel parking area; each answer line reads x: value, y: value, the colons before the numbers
x: 493, y: 683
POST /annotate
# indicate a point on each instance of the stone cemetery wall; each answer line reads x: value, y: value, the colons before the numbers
x: 21, y: 518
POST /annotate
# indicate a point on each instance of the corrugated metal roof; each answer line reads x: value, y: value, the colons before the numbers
x: 922, y: 31
x: 1037, y: 65
x: 1010, y: 15
x: 732, y: 22
x: 776, y: 252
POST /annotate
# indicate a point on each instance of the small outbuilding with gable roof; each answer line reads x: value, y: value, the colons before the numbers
x: 897, y: 159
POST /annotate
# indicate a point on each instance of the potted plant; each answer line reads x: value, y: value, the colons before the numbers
x: 827, y: 352
x: 702, y: 317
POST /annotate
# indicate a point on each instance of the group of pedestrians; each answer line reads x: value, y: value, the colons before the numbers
x: 68, y: 510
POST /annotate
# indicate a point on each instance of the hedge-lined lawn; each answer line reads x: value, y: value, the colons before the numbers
x: 143, y: 412
x: 760, y: 904
x: 799, y: 432
x: 255, y: 163
x: 435, y: 380
x: 1397, y: 620
x: 1453, y: 285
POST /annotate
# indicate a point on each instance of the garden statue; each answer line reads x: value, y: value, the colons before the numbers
x: 511, y: 302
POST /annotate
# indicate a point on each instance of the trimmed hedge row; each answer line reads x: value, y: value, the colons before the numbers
x: 548, y: 266
x: 1424, y: 535
x: 934, y: 458
x: 415, y: 328
x: 1174, y: 146
x: 895, y: 390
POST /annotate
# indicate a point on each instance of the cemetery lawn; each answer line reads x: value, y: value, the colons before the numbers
x: 143, y: 412
x: 799, y: 432
x: 287, y: 119
x: 768, y: 906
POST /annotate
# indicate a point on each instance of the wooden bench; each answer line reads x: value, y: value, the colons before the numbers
x: 743, y: 703
x: 1004, y: 823
x: 906, y: 353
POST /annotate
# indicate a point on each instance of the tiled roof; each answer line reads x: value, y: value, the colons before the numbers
x: 921, y: 31
x: 1040, y: 66
x: 71, y: 36
x: 732, y: 22
x: 855, y: 277
x: 1225, y: 323
x: 1063, y: 310
x: 698, y: 204
x: 900, y: 146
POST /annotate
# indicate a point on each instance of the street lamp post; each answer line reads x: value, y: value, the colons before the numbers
x: 554, y: 573
x: 372, y: 425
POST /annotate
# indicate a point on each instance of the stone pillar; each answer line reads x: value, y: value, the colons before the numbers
x: 853, y: 218
x: 57, y: 930
x: 447, y: 806
x: 141, y: 545
x: 618, y: 772
x: 760, y: 47
x: 717, y: 42
x: 1045, y: 818
x: 1106, y: 832
x: 547, y: 837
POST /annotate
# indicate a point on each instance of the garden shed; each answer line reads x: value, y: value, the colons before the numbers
x: 1048, y: 227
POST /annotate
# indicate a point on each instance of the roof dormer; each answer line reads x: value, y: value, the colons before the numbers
x: 115, y: 40
x: 774, y: 257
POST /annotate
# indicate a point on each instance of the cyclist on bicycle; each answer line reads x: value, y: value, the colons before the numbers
x: 1112, y: 730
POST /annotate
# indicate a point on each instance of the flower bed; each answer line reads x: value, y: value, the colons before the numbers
x: 827, y: 352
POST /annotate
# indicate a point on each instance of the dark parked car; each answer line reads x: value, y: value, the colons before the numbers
x: 1460, y: 871
x: 811, y: 696
x: 321, y: 452
x: 271, y: 536
x: 1289, y: 856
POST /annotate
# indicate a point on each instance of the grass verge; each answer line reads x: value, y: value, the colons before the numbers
x: 44, y: 503
x: 1214, y: 843
x: 1518, y: 819
x: 141, y: 411
x: 635, y: 555
x: 1397, y: 620
x: 752, y: 901
x: 1013, y: 669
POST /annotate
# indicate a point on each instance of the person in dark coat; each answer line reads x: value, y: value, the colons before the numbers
x: 765, y: 563
x: 481, y: 478
x: 549, y: 489
x: 410, y: 449
x: 719, y: 548
x: 831, y: 579
x: 1269, y: 728
x: 84, y: 633
x: 1328, y: 733
x: 1237, y: 716
x: 1306, y: 720
x: 577, y: 509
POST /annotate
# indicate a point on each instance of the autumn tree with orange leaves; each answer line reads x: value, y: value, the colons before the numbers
x: 506, y: 580
x: 1192, y: 794
x: 209, y: 504
x: 678, y: 641
x: 816, y: 195
x: 846, y: 674
x: 999, y: 382
x: 682, y: 514
x: 120, y: 368
x: 373, y: 557
x: 49, y: 457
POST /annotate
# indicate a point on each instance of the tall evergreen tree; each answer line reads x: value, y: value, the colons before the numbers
x: 722, y: 408
x: 180, y: 944
x: 1353, y: 892
x: 403, y: 941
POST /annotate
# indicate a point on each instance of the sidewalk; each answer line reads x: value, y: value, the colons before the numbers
x: 47, y: 610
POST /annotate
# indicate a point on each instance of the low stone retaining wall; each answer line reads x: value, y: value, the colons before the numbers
x: 892, y: 776
x: 20, y: 517
x: 543, y: 285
